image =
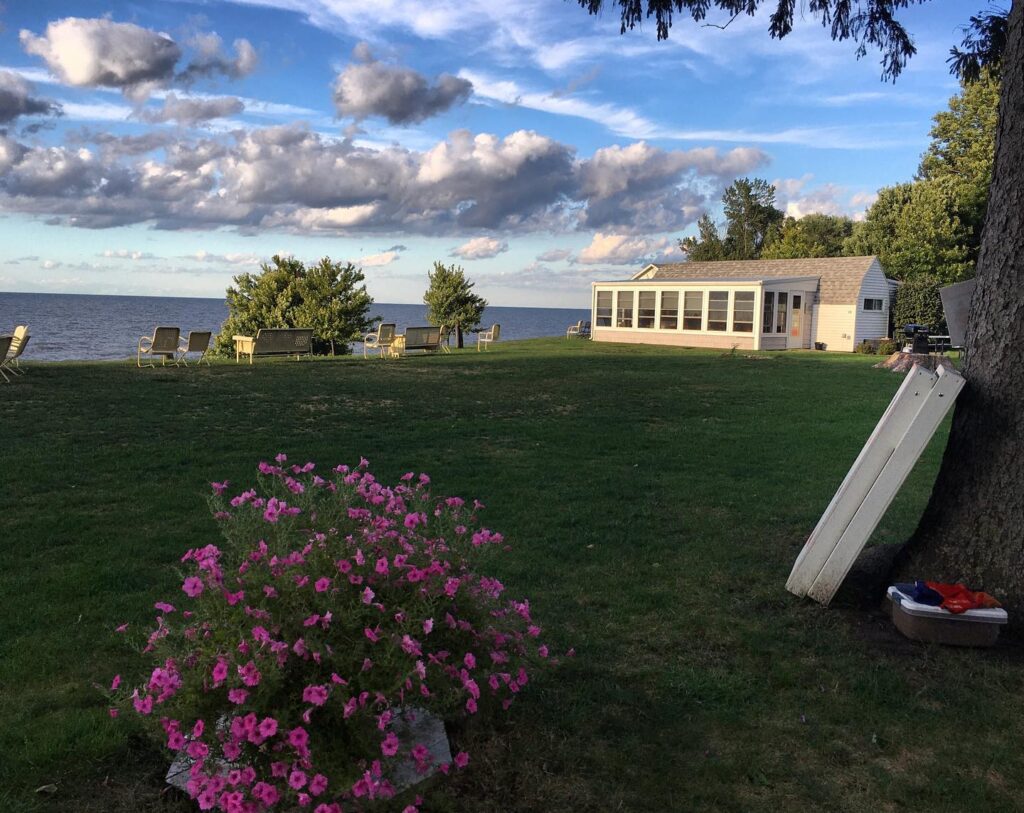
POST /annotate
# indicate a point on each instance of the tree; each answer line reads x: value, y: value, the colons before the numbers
x: 813, y: 235
x: 750, y: 219
x: 973, y: 526
x: 450, y: 300
x: 913, y: 229
x: 917, y: 303
x: 707, y: 245
x: 327, y: 297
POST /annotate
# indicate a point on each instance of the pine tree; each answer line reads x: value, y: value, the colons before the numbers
x: 450, y: 300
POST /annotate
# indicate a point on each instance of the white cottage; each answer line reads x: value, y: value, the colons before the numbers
x: 836, y: 302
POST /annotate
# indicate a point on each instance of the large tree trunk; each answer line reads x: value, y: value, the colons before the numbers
x: 973, y: 528
x: 458, y: 336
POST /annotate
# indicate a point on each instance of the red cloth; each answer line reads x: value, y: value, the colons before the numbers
x: 958, y: 599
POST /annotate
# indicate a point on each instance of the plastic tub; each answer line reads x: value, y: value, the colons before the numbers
x: 923, y: 622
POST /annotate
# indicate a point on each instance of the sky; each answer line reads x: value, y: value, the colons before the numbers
x: 161, y: 148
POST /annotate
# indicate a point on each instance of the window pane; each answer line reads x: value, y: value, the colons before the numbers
x: 780, y: 313
x: 669, y: 310
x: 872, y: 304
x: 604, y: 308
x: 645, y: 309
x: 769, y: 310
x: 718, y: 310
x: 743, y: 312
x: 624, y: 312
x: 693, y: 310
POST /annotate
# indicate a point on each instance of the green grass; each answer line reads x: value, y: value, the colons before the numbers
x: 656, y: 499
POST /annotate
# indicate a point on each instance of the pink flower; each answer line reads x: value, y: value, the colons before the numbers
x: 322, y: 585
x: 372, y: 634
x: 115, y: 683
x: 164, y: 607
x: 382, y: 565
x: 121, y: 628
x: 428, y: 625
x: 318, y: 784
x: 368, y: 596
x: 543, y: 650
x: 470, y: 660
x: 389, y: 747
x: 265, y: 793
x: 461, y: 759
x: 197, y: 750
x: 317, y: 695
x: 220, y: 488
x: 175, y: 740
x: 113, y: 712
x: 412, y: 520
x: 143, y: 704
x: 237, y: 696
x: 268, y: 727
x: 296, y: 780
x: 220, y: 672
x: 410, y: 646
x: 250, y: 674
x: 298, y: 738
x: 192, y: 586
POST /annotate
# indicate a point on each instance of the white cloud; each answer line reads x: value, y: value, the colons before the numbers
x: 554, y: 255
x: 377, y: 260
x: 125, y: 254
x: 480, y: 248
x: 622, y: 249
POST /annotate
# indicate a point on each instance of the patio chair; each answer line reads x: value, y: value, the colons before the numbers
x: 198, y: 341
x: 383, y: 340
x: 19, y: 340
x: 574, y: 330
x: 5, y: 346
x: 584, y: 330
x: 446, y: 332
x: 163, y: 343
x: 486, y: 337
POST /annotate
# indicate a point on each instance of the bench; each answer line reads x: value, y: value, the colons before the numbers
x: 427, y: 339
x: 278, y: 341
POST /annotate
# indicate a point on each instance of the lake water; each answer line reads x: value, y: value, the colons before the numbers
x: 79, y: 326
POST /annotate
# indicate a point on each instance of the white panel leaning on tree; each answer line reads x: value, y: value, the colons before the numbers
x: 898, y: 440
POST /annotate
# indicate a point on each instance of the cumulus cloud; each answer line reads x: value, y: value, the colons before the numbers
x: 125, y: 254
x: 293, y: 179
x: 554, y: 255
x: 621, y: 249
x: 231, y: 258
x: 377, y: 260
x: 16, y: 100
x: 192, y: 111
x: 210, y: 61
x: 102, y: 53
x: 480, y: 248
x: 401, y: 95
x: 796, y: 197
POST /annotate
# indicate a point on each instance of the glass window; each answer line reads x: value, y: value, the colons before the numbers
x: 743, y: 312
x: 718, y: 310
x: 781, y: 313
x: 604, y: 308
x: 669, y: 310
x: 768, y: 311
x: 624, y: 309
x: 872, y: 304
x: 693, y: 310
x: 796, y: 319
x: 645, y: 309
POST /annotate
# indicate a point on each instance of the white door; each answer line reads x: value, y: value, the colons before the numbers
x: 795, y: 334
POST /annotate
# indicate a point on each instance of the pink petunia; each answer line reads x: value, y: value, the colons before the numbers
x: 389, y: 747
x: 192, y: 586
x: 461, y: 759
x: 317, y: 695
x: 322, y: 585
x: 143, y: 704
x: 238, y: 696
x: 267, y: 727
x: 164, y: 607
x: 115, y: 683
x: 250, y: 674
x: 297, y: 779
x: 318, y: 784
x: 220, y: 672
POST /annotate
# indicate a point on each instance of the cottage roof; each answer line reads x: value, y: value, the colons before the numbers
x: 840, y: 277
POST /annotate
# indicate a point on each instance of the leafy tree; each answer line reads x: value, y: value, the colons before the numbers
x: 327, y: 297
x: 707, y: 245
x: 959, y: 157
x: 973, y: 525
x: 750, y: 219
x: 913, y: 230
x: 450, y: 300
x: 917, y: 303
x: 813, y: 235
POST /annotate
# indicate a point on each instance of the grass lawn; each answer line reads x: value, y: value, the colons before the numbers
x: 656, y: 499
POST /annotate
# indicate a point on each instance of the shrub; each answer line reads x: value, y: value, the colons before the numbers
x: 326, y: 297
x: 335, y: 605
x: 887, y: 347
x: 867, y: 347
x: 917, y: 302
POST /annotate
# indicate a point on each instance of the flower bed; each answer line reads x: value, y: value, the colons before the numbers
x: 335, y: 605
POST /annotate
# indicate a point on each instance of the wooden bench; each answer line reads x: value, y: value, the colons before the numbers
x: 427, y: 339
x: 278, y: 341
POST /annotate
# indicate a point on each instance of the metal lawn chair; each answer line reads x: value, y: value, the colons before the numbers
x: 486, y: 337
x: 19, y: 340
x: 5, y: 346
x: 383, y: 340
x: 163, y: 343
x: 198, y: 341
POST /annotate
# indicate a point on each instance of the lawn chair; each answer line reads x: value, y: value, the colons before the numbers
x: 163, y: 343
x: 18, y: 342
x: 485, y: 337
x: 446, y: 333
x: 5, y: 346
x: 197, y: 342
x: 584, y: 330
x: 383, y: 340
x: 574, y: 330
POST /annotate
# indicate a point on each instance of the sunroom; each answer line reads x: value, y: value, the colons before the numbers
x: 751, y: 314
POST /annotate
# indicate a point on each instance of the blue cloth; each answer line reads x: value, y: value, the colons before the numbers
x: 921, y: 593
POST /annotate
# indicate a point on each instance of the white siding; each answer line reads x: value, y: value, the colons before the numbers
x: 834, y: 326
x: 872, y: 324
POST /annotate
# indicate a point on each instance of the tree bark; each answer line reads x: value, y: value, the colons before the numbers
x: 458, y: 336
x: 973, y: 527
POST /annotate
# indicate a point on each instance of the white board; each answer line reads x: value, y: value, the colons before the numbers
x: 903, y: 432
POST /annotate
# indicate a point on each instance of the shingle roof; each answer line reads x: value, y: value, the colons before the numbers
x: 841, y: 277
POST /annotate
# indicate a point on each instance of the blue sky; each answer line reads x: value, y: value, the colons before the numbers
x: 162, y: 147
